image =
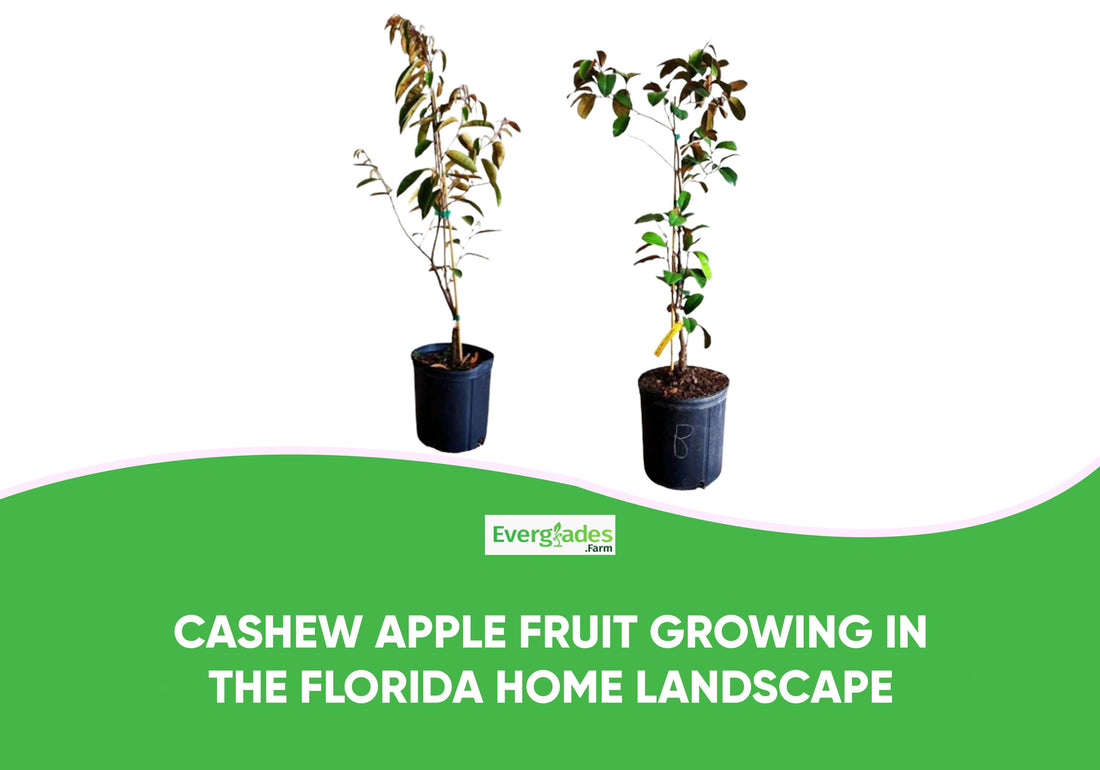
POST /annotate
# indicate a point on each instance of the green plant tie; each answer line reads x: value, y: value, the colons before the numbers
x: 677, y: 137
x: 457, y: 318
x: 444, y: 214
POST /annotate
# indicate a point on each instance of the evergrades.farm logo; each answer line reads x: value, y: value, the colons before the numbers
x: 550, y: 536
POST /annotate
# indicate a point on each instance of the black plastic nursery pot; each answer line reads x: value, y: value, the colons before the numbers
x: 682, y: 438
x: 452, y: 406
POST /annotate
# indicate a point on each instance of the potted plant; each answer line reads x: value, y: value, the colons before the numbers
x: 462, y: 152
x: 683, y: 407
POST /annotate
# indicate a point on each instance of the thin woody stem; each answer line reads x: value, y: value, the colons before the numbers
x: 438, y: 269
x: 457, y: 342
x: 650, y: 146
x: 662, y: 124
x: 443, y: 212
x: 397, y: 216
x: 674, y: 305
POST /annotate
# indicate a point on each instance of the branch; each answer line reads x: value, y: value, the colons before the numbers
x: 389, y: 196
x: 650, y: 146
x: 650, y: 117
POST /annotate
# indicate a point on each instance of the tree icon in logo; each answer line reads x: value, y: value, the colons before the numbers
x: 557, y: 535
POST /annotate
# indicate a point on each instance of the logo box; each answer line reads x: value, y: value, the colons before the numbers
x: 575, y: 535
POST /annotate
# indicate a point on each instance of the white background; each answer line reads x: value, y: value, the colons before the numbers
x: 905, y: 292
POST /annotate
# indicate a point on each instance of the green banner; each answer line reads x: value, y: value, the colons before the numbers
x: 350, y: 611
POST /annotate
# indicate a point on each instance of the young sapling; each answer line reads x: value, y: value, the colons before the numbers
x: 463, y: 152
x: 686, y: 101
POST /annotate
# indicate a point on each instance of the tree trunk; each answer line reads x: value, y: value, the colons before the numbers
x: 456, y: 347
x: 682, y: 363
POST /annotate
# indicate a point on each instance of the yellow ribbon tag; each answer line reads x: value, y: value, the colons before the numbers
x: 668, y: 338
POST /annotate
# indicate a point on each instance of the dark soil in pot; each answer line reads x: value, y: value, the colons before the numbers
x: 696, y: 382
x: 441, y: 359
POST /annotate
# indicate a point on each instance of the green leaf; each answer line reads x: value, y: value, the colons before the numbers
x: 407, y: 109
x: 620, y: 124
x: 463, y: 160
x: 672, y: 278
x: 682, y: 200
x: 727, y: 145
x: 582, y: 71
x: 653, y: 238
x: 651, y: 256
x: 692, y: 302
x: 468, y: 220
x: 706, y: 336
x: 365, y: 181
x: 470, y: 203
x: 406, y: 183
x: 690, y: 324
x: 728, y: 174
x: 737, y: 108
x: 491, y: 172
x: 675, y: 219
x: 681, y: 114
x: 457, y: 272
x: 477, y: 123
x: 424, y: 196
x: 428, y: 78
x: 421, y: 146
x: 704, y: 260
x: 655, y: 99
x: 397, y: 89
x: 650, y: 218
x: 605, y: 81
x: 699, y: 276
x: 622, y: 101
